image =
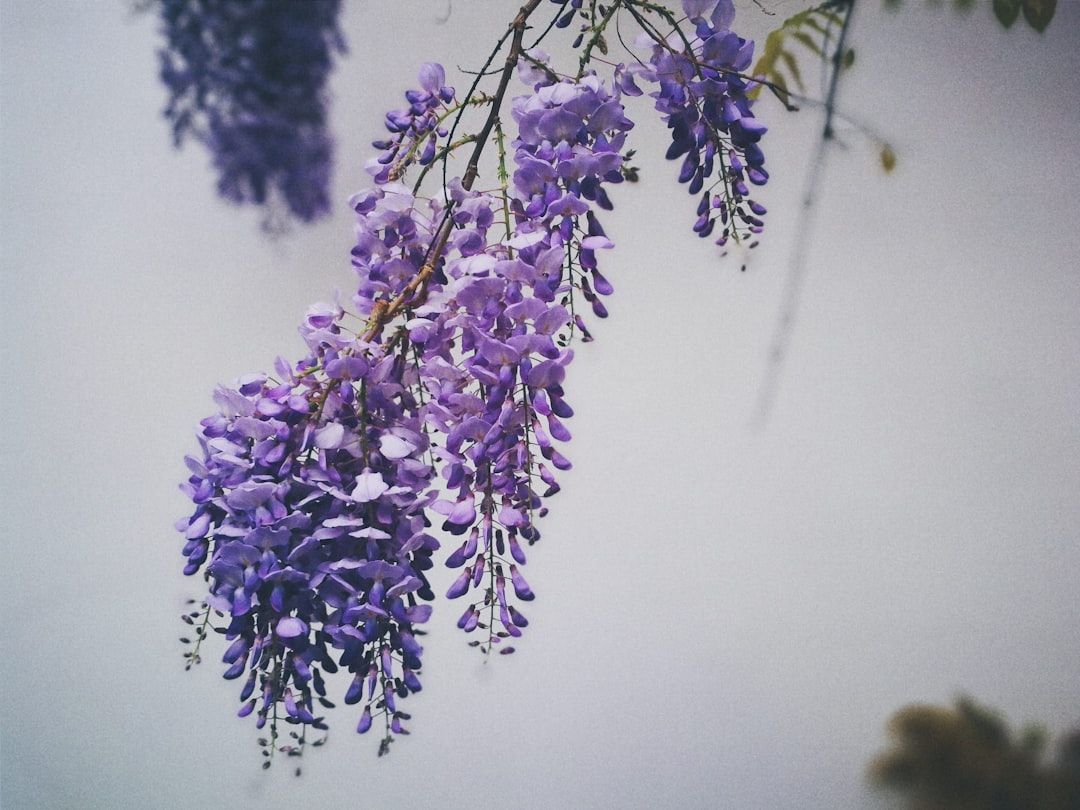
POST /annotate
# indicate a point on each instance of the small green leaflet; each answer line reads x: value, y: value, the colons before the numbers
x: 1038, y: 13
x: 779, y: 66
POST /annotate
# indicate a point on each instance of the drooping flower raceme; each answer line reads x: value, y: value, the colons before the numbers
x: 487, y: 333
x: 439, y: 399
x: 702, y: 87
x: 309, y: 520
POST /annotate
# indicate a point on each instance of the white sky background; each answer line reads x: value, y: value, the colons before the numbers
x: 726, y: 617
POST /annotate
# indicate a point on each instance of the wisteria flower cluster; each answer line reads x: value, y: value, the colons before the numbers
x: 247, y: 78
x: 439, y: 399
x: 310, y: 501
x: 702, y: 97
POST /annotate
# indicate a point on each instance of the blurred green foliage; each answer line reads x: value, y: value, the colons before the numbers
x: 966, y: 758
x: 1037, y: 13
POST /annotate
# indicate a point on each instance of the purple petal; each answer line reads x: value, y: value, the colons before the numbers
x: 394, y: 447
x: 330, y: 436
x: 432, y: 77
x: 290, y: 627
x: 695, y: 9
x: 369, y: 486
x: 723, y: 15
x: 521, y: 587
x: 365, y: 721
x: 460, y: 585
x: 356, y: 690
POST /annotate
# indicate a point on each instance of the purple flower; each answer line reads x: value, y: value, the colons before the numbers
x: 702, y: 96
x: 442, y: 394
x: 312, y: 536
x: 247, y: 78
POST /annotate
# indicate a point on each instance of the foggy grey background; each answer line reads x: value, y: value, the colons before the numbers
x: 726, y: 616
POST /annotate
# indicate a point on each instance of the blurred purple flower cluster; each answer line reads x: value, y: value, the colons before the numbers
x: 247, y: 78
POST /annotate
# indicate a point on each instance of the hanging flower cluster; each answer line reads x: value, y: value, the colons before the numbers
x: 440, y: 398
x: 310, y: 501
x: 702, y: 97
x: 247, y: 78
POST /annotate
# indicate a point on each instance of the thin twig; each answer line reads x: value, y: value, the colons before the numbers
x: 796, y: 275
x: 416, y: 290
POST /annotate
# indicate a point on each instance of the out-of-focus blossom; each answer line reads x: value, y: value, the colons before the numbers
x: 247, y: 78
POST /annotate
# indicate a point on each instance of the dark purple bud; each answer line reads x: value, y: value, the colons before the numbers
x: 515, y: 549
x: 500, y: 586
x: 428, y: 153
x: 466, y: 616
x: 697, y: 182
x: 241, y: 602
x: 356, y: 690
x: 461, y: 584
x: 521, y: 587
x: 751, y: 128
x: 517, y: 618
x: 557, y: 429
x: 689, y: 167
x: 703, y: 205
x: 473, y: 621
x: 277, y: 599
x: 560, y: 461
x: 236, y: 650
x: 411, y: 681
x: 303, y: 672
x: 365, y: 721
x: 386, y: 661
x: 235, y: 671
x: 372, y: 681
x: 249, y: 686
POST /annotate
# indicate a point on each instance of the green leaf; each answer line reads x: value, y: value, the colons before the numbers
x: 1006, y: 11
x: 888, y: 158
x: 1039, y: 13
x: 793, y: 67
x: 808, y: 42
x: 849, y: 58
x: 805, y: 28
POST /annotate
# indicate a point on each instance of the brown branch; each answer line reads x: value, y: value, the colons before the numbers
x: 416, y: 290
